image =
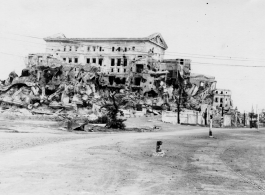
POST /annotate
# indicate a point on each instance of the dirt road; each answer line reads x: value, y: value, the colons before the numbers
x: 57, y: 162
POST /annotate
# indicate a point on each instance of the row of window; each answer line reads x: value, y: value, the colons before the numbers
x: 88, y: 60
x: 221, y: 99
x: 71, y: 60
x: 221, y: 92
x: 119, y: 70
x: 98, y: 48
x: 119, y: 61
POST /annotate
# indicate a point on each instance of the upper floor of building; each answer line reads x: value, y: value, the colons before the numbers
x: 78, y: 50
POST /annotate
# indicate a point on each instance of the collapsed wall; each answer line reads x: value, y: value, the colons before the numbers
x: 50, y: 86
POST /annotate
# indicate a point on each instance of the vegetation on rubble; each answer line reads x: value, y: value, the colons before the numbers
x: 113, y: 104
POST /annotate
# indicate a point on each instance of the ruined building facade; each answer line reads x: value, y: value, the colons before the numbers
x: 222, y: 98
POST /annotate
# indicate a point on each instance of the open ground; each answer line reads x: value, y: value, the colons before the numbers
x: 39, y: 158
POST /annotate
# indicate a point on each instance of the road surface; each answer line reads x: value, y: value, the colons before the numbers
x: 41, y: 160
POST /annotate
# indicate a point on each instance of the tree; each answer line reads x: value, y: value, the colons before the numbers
x: 113, y: 104
x: 180, y: 99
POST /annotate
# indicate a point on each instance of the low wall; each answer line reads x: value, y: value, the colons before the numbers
x: 187, y: 117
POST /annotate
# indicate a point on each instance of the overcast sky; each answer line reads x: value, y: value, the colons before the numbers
x: 210, y: 28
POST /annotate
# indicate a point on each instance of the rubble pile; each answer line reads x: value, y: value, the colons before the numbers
x: 53, y: 88
x: 50, y: 90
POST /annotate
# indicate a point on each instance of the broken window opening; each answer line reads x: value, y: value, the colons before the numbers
x: 133, y: 48
x: 88, y: 60
x: 111, y: 80
x: 70, y: 48
x: 139, y: 68
x: 70, y: 60
x: 113, y: 48
x: 123, y: 80
x: 100, y: 48
x: 181, y: 61
x: 125, y: 49
x: 221, y: 105
x: 118, y: 62
x: 140, y: 56
x: 88, y: 48
x: 216, y: 92
x: 64, y: 59
x: 100, y: 60
x: 112, y: 70
x: 112, y: 62
x: 124, y: 70
x: 137, y: 81
x: 118, y: 70
x: 221, y: 92
x: 94, y: 60
x: 76, y: 60
x: 118, y: 49
x: 94, y: 48
x: 221, y: 100
x: 64, y: 48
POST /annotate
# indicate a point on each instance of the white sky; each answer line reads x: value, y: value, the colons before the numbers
x: 222, y: 28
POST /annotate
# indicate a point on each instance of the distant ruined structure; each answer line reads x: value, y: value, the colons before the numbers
x: 76, y: 73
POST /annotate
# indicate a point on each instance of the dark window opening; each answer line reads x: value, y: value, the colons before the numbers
x: 64, y: 48
x: 216, y: 92
x: 100, y: 48
x: 70, y: 60
x: 76, y: 60
x: 88, y: 60
x: 221, y: 92
x: 125, y: 62
x: 70, y: 48
x: 221, y: 105
x: 124, y: 70
x: 88, y: 48
x: 76, y: 48
x: 118, y: 62
x: 139, y: 68
x: 216, y: 99
x: 123, y: 81
x: 111, y: 79
x: 140, y: 56
x: 112, y: 62
x: 94, y: 60
x: 125, y: 49
x: 133, y: 48
x: 64, y: 59
x: 118, y: 70
x: 113, y: 48
x: 100, y: 60
x: 94, y: 48
x: 131, y: 68
x: 137, y: 81
x: 112, y: 70
x: 221, y: 100
x: 118, y: 49
x: 181, y: 61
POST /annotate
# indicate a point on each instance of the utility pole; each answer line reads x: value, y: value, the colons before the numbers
x: 257, y: 118
x: 211, y: 124
x: 244, y: 118
x: 235, y: 117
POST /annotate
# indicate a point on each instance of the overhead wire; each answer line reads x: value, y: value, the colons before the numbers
x: 141, y: 52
